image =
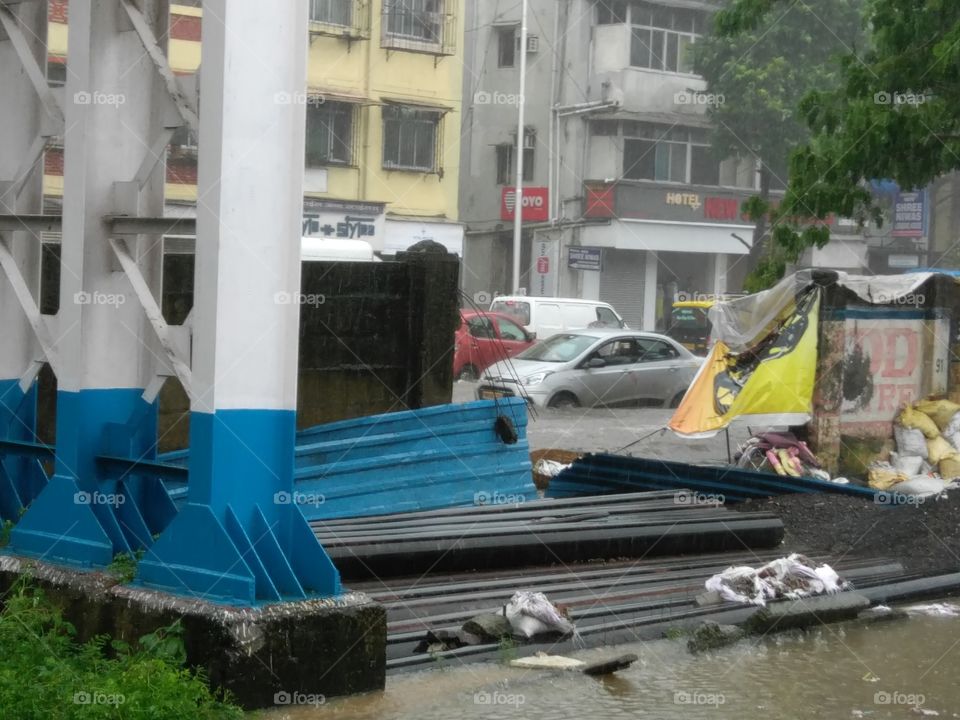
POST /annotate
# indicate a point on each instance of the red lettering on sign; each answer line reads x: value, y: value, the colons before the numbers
x: 715, y: 208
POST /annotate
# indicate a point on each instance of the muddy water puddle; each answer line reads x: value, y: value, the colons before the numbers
x: 906, y: 668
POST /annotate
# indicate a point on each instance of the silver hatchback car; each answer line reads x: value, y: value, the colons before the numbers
x: 603, y: 367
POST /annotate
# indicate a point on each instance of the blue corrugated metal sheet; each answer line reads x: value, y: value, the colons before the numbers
x: 605, y: 474
x: 437, y: 457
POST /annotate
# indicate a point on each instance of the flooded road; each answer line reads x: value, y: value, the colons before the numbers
x: 897, y: 669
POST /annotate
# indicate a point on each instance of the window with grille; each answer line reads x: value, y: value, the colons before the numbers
x: 419, y: 20
x: 661, y: 37
x: 680, y: 155
x: 410, y: 138
x: 506, y: 166
x: 330, y: 133
x: 332, y: 12
x: 508, y: 41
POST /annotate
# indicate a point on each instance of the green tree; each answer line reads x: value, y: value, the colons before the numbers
x: 894, y: 115
x: 762, y: 60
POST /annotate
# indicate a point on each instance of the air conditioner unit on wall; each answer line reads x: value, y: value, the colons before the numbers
x: 533, y: 43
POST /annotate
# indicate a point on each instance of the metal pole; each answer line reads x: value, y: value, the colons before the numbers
x: 518, y: 207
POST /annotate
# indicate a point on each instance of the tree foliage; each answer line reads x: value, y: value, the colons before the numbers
x: 759, y: 72
x: 894, y: 114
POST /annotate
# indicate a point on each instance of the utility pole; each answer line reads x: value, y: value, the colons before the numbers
x: 521, y: 137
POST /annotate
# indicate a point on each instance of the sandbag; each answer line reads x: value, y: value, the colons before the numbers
x: 920, y: 486
x: 908, y: 465
x: 912, y: 418
x: 950, y: 468
x: 940, y: 411
x: 883, y: 476
x: 939, y: 449
x: 952, y: 431
x: 910, y: 441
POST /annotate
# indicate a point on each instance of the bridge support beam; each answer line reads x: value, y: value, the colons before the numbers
x: 115, y: 107
x: 24, y: 118
x: 238, y: 540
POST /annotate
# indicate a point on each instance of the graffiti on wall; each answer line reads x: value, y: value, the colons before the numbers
x: 890, y: 363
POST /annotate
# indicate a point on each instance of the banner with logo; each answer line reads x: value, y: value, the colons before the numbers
x: 768, y: 383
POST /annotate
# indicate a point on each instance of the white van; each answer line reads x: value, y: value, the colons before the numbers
x: 546, y: 316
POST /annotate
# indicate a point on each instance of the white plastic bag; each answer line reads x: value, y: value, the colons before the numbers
x: 530, y: 614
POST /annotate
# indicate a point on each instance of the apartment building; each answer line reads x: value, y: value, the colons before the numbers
x: 383, y: 101
x: 624, y: 200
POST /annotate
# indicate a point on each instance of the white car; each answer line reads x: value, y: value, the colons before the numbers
x: 602, y: 367
x: 546, y: 316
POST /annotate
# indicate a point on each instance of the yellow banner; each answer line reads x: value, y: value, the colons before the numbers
x: 770, y: 383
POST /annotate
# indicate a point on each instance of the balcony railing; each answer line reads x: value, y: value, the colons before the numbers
x: 340, y: 18
x: 428, y: 26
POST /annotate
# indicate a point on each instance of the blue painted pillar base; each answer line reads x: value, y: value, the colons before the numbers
x: 240, y: 539
x: 21, y: 478
x: 85, y: 516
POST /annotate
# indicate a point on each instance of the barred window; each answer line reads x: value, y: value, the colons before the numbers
x: 330, y: 134
x: 410, y: 137
x: 420, y: 20
x: 332, y: 12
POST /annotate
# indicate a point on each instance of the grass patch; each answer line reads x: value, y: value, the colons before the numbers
x: 45, y: 674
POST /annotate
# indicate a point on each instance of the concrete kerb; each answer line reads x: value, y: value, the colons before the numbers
x: 315, y: 648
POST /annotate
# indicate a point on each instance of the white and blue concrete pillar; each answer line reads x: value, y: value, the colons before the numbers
x: 21, y: 192
x: 241, y: 538
x: 114, y: 109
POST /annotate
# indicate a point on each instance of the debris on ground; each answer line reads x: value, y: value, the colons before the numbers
x: 531, y: 614
x: 553, y: 455
x: 549, y: 468
x: 605, y: 667
x: 711, y: 635
x: 792, y: 577
x: 489, y: 627
x: 934, y: 610
x: 543, y: 661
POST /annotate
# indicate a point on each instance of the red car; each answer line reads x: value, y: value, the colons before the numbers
x: 482, y: 339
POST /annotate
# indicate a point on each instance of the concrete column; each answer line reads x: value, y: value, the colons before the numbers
x: 241, y: 536
x: 113, y: 112
x: 21, y: 117
x: 650, y: 292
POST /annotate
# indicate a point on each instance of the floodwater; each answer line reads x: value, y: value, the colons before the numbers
x: 905, y: 668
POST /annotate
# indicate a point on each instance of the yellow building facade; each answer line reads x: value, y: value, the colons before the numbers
x: 383, y: 103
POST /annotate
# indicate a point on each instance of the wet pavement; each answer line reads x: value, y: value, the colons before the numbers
x: 897, y: 669
x: 611, y: 430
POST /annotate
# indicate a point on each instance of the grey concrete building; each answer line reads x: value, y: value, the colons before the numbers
x: 624, y: 201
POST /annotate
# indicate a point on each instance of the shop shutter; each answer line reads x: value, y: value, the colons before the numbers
x: 621, y: 283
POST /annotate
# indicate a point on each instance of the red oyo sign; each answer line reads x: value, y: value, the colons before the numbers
x: 543, y: 265
x: 536, y: 206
